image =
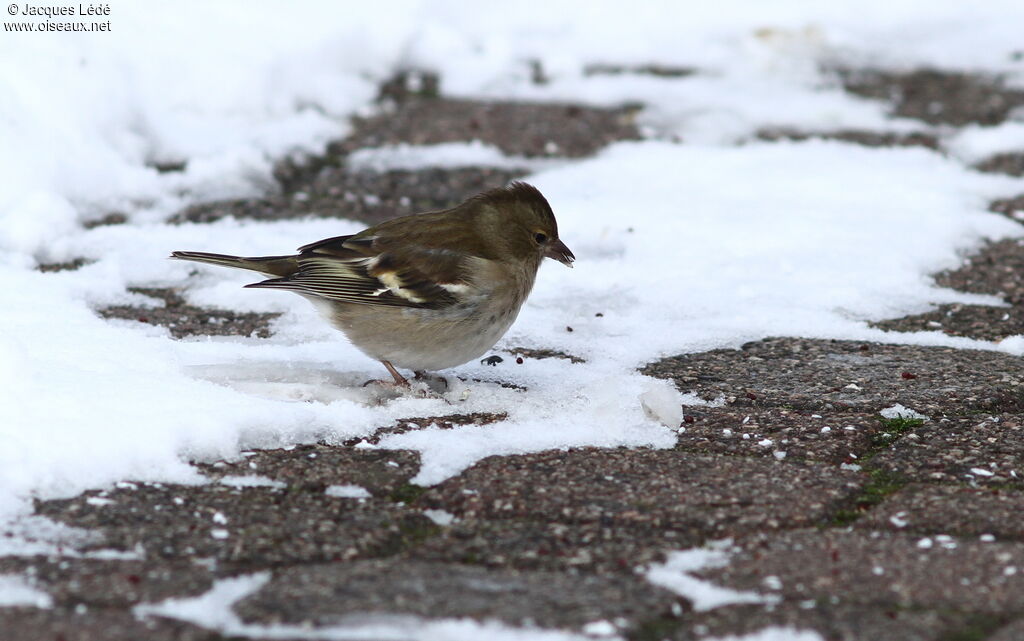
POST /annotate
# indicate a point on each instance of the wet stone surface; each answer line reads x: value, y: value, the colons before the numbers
x: 997, y: 269
x: 182, y: 319
x: 973, y: 321
x: 779, y: 433
x: 937, y: 97
x: 313, y: 468
x: 367, y: 196
x: 653, y: 490
x: 961, y: 511
x: 856, y: 136
x: 977, y: 449
x: 570, y: 547
x: 327, y: 594
x: 241, y: 527
x: 96, y: 583
x: 1007, y: 163
x: 883, y: 570
x: 833, y: 622
x: 810, y: 374
x: 30, y: 624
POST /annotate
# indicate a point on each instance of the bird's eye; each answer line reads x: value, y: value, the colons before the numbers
x: 540, y: 237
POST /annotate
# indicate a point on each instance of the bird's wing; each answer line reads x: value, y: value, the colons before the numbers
x: 359, y: 269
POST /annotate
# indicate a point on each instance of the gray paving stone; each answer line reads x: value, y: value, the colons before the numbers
x: 243, y: 527
x: 779, y: 433
x: 937, y: 97
x: 968, y: 512
x: 880, y: 569
x: 856, y: 136
x: 650, y: 490
x: 314, y: 467
x: 597, y: 547
x: 109, y: 583
x: 328, y: 594
x: 1011, y: 163
x: 182, y: 319
x: 808, y: 374
x: 833, y: 622
x: 31, y: 624
x: 333, y: 191
x: 998, y: 269
x: 973, y: 321
x: 1011, y: 632
x: 517, y: 128
x: 955, y: 449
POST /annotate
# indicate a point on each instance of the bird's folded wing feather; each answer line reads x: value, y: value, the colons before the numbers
x: 355, y: 270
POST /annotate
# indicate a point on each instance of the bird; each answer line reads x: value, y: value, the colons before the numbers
x: 427, y: 291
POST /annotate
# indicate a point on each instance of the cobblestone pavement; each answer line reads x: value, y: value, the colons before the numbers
x: 842, y: 521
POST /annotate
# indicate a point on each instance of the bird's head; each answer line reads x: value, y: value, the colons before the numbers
x: 521, y: 220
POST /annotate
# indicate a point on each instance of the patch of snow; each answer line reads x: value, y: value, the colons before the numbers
x: 675, y: 575
x: 16, y: 591
x: 252, y: 481
x: 898, y: 411
x: 347, y: 492
x: 440, y: 517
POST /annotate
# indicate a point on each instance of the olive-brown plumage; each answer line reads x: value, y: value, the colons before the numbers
x: 426, y: 291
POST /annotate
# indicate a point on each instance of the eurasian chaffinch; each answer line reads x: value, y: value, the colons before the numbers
x: 426, y: 291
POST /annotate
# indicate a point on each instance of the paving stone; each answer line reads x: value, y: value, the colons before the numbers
x: 997, y: 269
x: 182, y: 319
x: 966, y: 512
x: 109, y: 583
x: 367, y: 196
x: 979, y: 449
x: 1005, y: 163
x: 779, y: 433
x: 241, y: 527
x: 647, y: 491
x: 314, y: 467
x: 657, y: 70
x: 880, y: 569
x: 937, y: 97
x: 572, y: 548
x: 31, y: 624
x: 808, y: 374
x: 857, y: 136
x: 974, y: 321
x: 832, y: 622
x: 1011, y: 632
x: 1012, y: 208
x: 517, y: 128
x: 327, y: 594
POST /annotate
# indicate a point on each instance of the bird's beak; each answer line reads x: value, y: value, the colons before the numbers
x: 560, y: 252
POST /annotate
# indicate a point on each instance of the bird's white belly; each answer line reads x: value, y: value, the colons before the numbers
x: 422, y: 340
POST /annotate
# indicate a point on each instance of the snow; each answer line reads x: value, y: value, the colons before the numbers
x: 899, y: 411
x: 251, y: 481
x: 213, y: 611
x: 347, y: 492
x: 15, y: 591
x: 773, y: 633
x: 675, y: 574
x: 682, y: 246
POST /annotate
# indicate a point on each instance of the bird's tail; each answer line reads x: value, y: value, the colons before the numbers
x: 279, y: 266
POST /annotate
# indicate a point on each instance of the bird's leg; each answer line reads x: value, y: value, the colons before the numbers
x: 424, y: 376
x: 399, y: 379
